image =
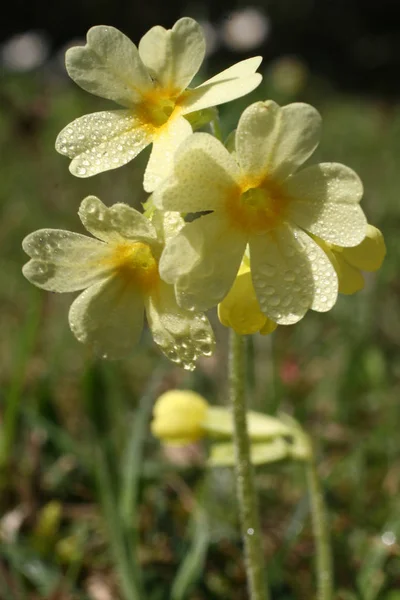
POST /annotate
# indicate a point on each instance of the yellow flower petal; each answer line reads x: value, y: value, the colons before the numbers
x: 269, y: 327
x: 324, y: 199
x: 178, y: 417
x: 291, y: 274
x: 235, y: 82
x: 173, y: 56
x: 350, y: 278
x: 368, y: 255
x: 102, y: 141
x: 240, y: 309
x: 63, y: 261
x: 165, y: 144
x: 109, y: 66
x: 108, y: 316
x: 274, y: 141
x: 183, y: 336
x: 202, y: 261
x: 203, y: 174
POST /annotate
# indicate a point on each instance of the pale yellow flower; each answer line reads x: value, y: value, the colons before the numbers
x: 350, y: 262
x: 118, y: 271
x: 257, y: 198
x: 151, y: 83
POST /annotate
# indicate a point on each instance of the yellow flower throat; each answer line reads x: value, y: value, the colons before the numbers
x: 135, y: 263
x: 157, y: 107
x: 255, y: 208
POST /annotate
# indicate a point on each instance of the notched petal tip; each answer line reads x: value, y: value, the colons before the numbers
x: 38, y: 272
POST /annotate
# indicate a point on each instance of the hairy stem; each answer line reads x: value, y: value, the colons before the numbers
x: 250, y: 522
x: 323, y: 557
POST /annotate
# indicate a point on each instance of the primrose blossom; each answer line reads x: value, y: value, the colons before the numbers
x: 151, y: 83
x: 118, y: 271
x: 257, y: 198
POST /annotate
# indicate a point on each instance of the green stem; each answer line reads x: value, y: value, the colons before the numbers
x: 250, y: 523
x: 216, y: 128
x: 323, y: 557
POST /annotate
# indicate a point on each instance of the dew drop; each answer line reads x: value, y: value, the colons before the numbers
x: 268, y: 270
x: 289, y: 276
x: 274, y: 301
x: 269, y: 290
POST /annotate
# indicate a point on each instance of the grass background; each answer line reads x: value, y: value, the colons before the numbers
x: 91, y: 507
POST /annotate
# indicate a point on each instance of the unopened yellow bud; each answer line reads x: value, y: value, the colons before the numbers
x: 178, y: 417
x: 240, y: 309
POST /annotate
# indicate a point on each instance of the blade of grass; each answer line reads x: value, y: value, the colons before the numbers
x: 22, y: 352
x: 28, y: 564
x: 192, y: 566
x: 106, y: 492
x: 98, y: 397
x: 6, y: 592
x: 132, y: 461
x: 61, y: 438
x: 372, y: 576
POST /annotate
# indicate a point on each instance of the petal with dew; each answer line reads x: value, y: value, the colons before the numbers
x: 108, y: 316
x: 63, y: 261
x: 240, y: 309
x: 103, y: 141
x: 165, y: 143
x: 183, y: 336
x: 235, y: 82
x: 324, y: 200
x: 274, y: 141
x: 109, y: 66
x: 368, y: 255
x: 350, y: 278
x: 117, y: 224
x: 173, y: 56
x: 291, y: 274
x: 204, y: 175
x: 202, y: 261
x: 167, y: 224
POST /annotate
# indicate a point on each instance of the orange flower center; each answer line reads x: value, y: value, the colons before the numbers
x: 134, y: 261
x: 157, y: 107
x: 256, y: 207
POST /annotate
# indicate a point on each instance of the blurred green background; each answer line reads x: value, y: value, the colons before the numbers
x: 83, y: 486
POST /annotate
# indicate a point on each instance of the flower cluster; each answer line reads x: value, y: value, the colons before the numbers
x: 277, y: 239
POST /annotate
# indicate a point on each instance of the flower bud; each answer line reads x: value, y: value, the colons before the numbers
x: 178, y: 417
